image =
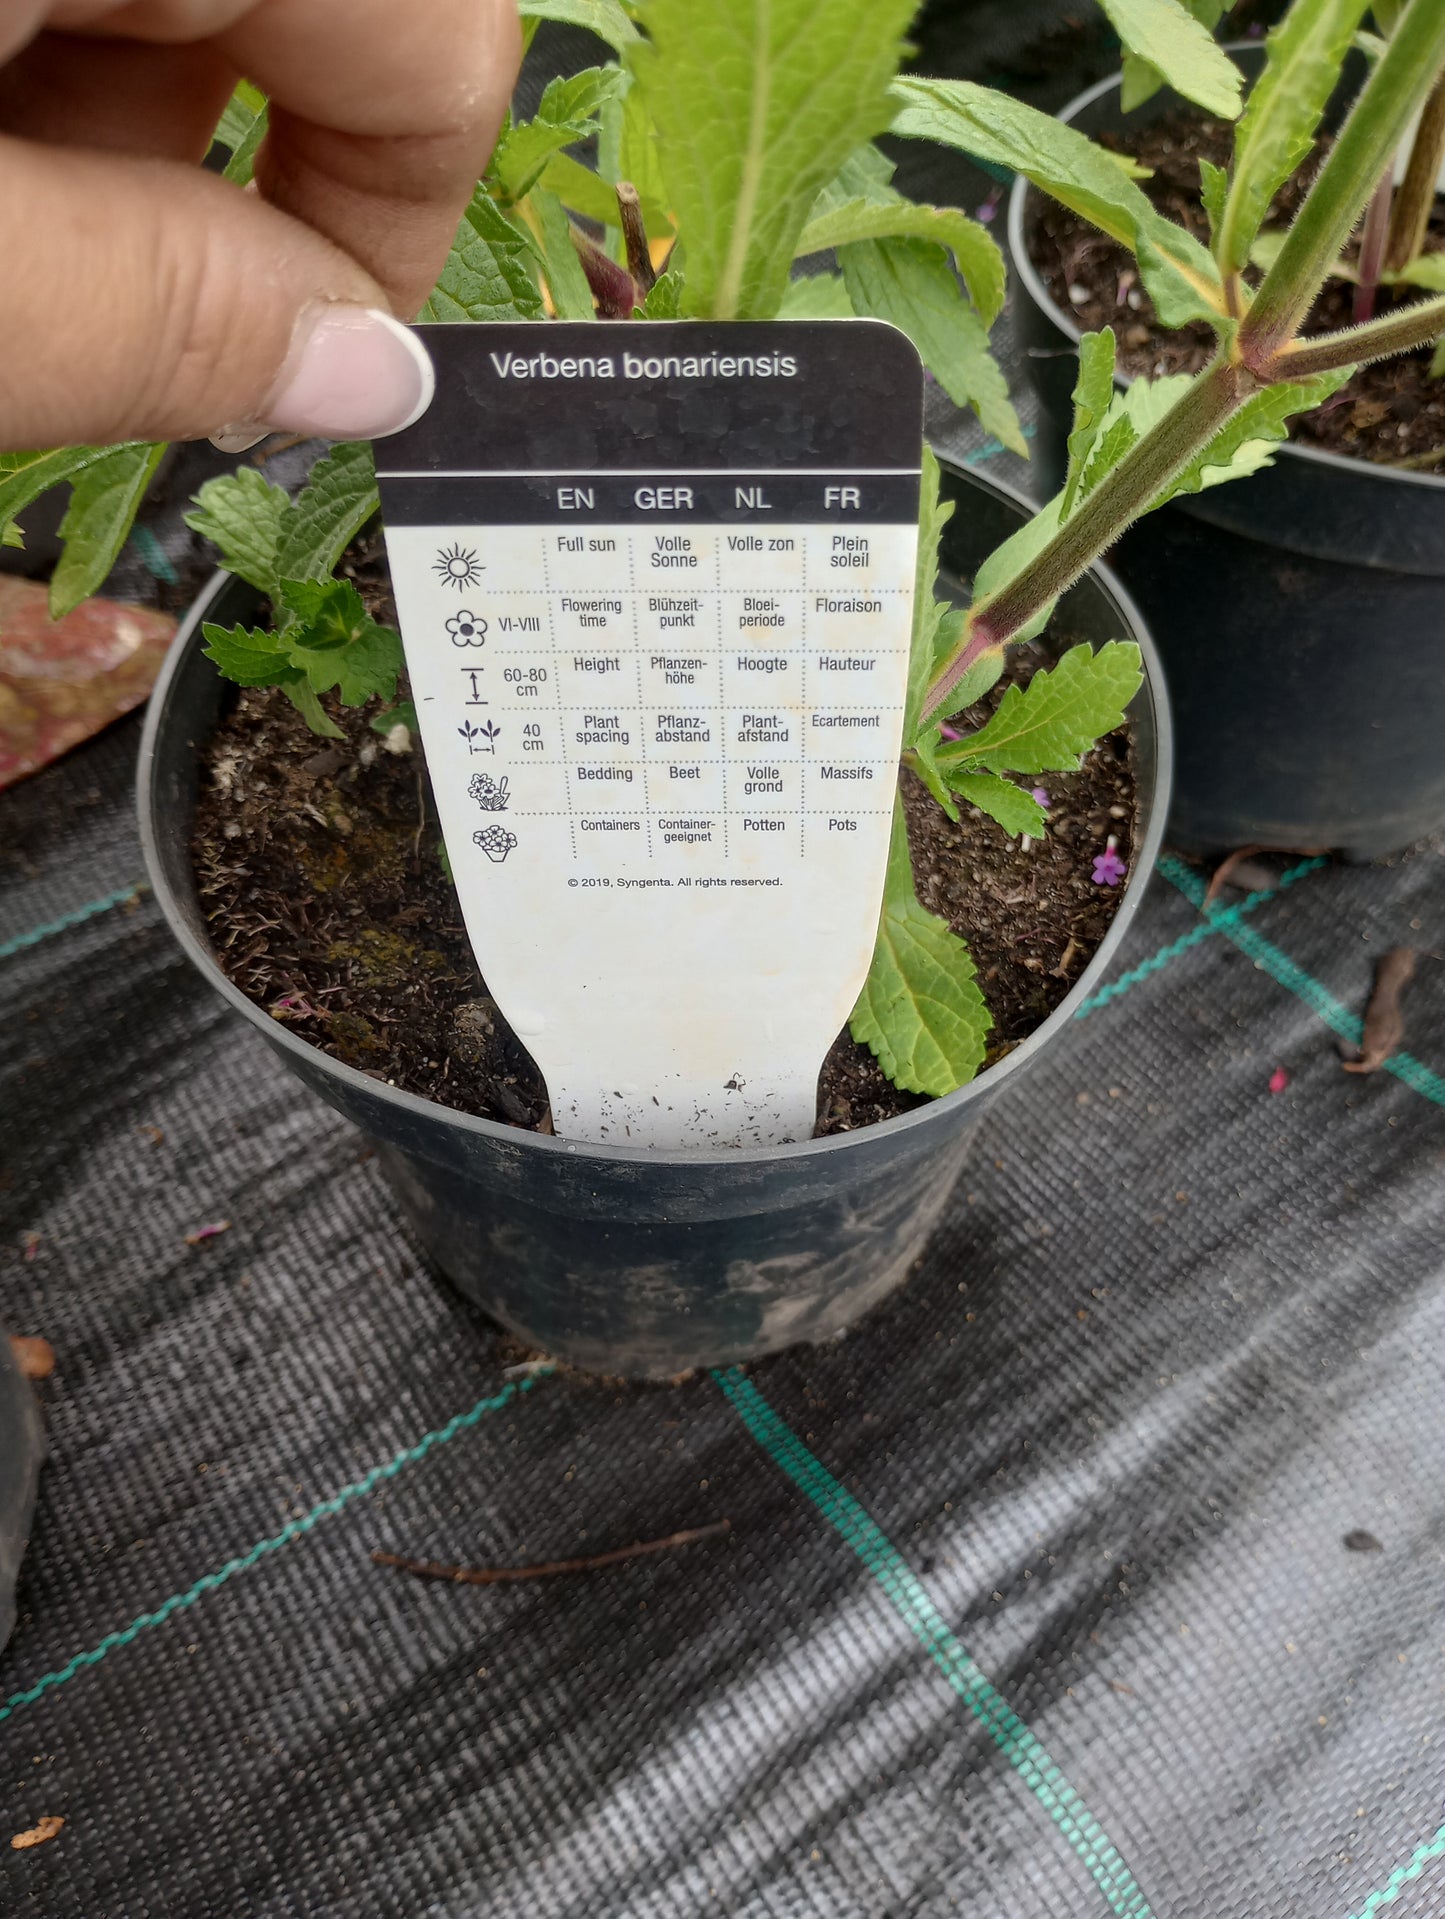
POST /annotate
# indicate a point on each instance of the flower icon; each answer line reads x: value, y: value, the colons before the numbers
x: 467, y: 629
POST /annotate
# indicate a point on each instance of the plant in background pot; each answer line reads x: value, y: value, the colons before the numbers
x: 1301, y: 616
x: 746, y: 145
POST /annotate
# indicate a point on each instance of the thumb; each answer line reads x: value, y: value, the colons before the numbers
x: 143, y: 300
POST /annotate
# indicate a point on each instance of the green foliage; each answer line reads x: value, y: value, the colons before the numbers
x: 241, y: 514
x: 331, y: 509
x: 104, y: 499
x: 1093, y: 396
x: 1180, y: 274
x: 242, y: 128
x: 489, y: 272
x: 1048, y: 725
x: 1015, y: 810
x: 324, y: 639
x: 816, y: 296
x: 566, y: 282
x: 974, y: 250
x: 25, y: 476
x: 568, y: 112
x: 606, y: 18
x: 10, y: 535
x: 1173, y: 41
x: 748, y: 132
x: 1242, y: 445
x: 920, y: 1012
x: 1277, y: 129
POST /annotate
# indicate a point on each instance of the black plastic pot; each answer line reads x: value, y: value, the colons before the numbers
x: 1300, y: 613
x: 625, y: 1260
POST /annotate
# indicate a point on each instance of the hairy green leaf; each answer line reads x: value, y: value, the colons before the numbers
x: 748, y: 133
x: 1277, y: 128
x: 1141, y: 81
x: 1242, y: 445
x: 1093, y: 394
x: 1015, y: 810
x: 664, y: 300
x: 911, y: 284
x: 335, y: 642
x: 104, y: 499
x: 973, y: 247
x: 606, y: 18
x: 566, y: 113
x: 1180, y: 274
x: 1118, y: 435
x: 920, y: 1012
x: 25, y: 476
x: 331, y: 509
x: 566, y: 282
x: 934, y: 513
x: 1213, y: 192
x: 247, y: 655
x: 1177, y: 45
x: 816, y: 296
x: 1048, y: 725
x: 242, y: 514
x: 488, y: 273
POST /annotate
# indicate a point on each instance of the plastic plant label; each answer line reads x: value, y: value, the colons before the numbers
x: 655, y: 588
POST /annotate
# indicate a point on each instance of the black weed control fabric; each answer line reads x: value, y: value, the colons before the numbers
x: 1044, y: 1592
x: 1101, y: 1572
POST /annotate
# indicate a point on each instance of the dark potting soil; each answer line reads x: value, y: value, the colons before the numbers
x: 328, y: 906
x: 1389, y: 412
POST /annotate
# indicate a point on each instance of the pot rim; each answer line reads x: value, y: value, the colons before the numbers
x: 1028, y: 274
x: 521, y: 1138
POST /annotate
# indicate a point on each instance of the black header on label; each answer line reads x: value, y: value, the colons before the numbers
x: 664, y: 499
x: 672, y: 395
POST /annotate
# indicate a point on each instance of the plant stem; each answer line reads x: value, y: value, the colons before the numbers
x: 1410, y: 220
x: 1372, y: 247
x: 634, y: 234
x: 1399, y: 332
x: 1402, y: 78
x: 1118, y: 500
x: 613, y: 287
x: 502, y: 1575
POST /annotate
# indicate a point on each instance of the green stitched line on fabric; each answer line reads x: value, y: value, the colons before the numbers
x: 153, y: 555
x: 910, y: 1600
x: 210, y: 1581
x: 1401, y: 1877
x: 1226, y: 916
x: 66, y: 920
x: 1415, y: 1073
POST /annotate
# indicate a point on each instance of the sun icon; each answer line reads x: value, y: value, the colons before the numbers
x: 458, y: 567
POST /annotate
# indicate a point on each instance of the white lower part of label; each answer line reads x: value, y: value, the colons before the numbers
x: 664, y: 760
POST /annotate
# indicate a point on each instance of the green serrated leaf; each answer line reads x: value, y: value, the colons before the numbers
x: 247, y: 655
x: 911, y: 284
x: 10, y: 535
x: 934, y: 513
x: 302, y: 696
x: 664, y: 300
x: 975, y: 253
x: 331, y: 509
x: 1141, y: 81
x: 1114, y: 442
x: 1093, y: 394
x: 566, y: 282
x: 1180, y: 274
x: 1181, y: 48
x: 242, y: 514
x: 1242, y: 446
x: 606, y: 18
x: 335, y: 642
x: 748, y: 133
x: 816, y: 296
x: 1015, y: 810
x: 1277, y: 128
x: 104, y: 499
x: 25, y: 476
x: 566, y: 113
x: 488, y: 273
x: 920, y: 1012
x: 1048, y: 725
x: 241, y: 167
x: 1213, y: 192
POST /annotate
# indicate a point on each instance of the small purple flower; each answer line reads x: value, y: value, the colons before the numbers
x: 1039, y: 796
x: 1109, y: 869
x: 990, y: 206
x: 948, y: 733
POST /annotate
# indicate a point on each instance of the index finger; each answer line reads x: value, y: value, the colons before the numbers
x: 383, y: 116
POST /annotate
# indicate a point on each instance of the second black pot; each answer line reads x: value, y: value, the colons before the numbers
x: 621, y: 1259
x: 1300, y: 613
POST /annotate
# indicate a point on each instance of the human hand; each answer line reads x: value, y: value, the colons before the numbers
x: 141, y: 298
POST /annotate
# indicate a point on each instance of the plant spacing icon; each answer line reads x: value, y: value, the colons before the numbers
x: 480, y: 739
